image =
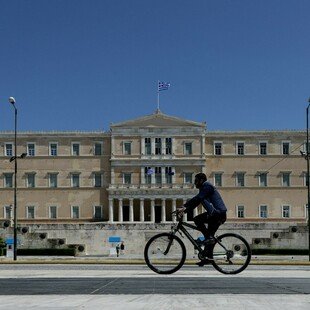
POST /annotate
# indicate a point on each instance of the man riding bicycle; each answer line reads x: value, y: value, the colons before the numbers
x: 214, y: 216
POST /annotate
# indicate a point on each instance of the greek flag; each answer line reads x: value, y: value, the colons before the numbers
x: 163, y: 86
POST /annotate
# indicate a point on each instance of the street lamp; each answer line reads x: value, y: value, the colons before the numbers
x: 14, y: 158
x: 306, y: 155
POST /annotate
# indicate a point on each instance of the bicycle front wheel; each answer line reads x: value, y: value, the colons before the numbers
x: 232, y: 254
x: 165, y: 253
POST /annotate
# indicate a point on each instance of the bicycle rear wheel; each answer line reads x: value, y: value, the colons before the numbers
x: 232, y: 254
x: 165, y: 253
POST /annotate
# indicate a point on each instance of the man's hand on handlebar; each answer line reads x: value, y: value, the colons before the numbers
x: 180, y: 211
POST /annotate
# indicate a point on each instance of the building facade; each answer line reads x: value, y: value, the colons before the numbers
x: 143, y: 169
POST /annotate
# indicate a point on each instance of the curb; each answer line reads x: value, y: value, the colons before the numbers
x: 268, y: 260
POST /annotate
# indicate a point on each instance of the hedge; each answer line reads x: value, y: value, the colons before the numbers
x: 47, y: 252
x: 280, y: 252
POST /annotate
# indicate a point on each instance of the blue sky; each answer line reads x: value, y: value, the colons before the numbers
x: 81, y: 64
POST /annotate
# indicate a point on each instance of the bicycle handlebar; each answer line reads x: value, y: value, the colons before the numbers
x: 177, y: 215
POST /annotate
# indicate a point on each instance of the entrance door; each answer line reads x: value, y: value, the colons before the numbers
x: 126, y: 213
x: 157, y: 214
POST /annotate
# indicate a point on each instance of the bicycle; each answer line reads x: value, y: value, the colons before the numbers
x: 165, y: 253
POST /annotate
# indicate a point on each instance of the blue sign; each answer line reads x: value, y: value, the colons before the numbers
x: 10, y: 241
x: 114, y: 239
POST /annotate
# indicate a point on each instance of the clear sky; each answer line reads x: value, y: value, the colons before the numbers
x: 81, y: 64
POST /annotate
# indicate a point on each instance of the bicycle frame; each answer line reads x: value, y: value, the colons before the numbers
x: 180, y: 227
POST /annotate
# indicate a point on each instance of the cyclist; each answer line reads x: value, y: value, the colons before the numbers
x: 214, y: 216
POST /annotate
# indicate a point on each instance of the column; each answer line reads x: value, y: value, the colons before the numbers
x: 153, y: 210
x: 110, y: 210
x: 131, y: 217
x: 120, y: 210
x: 185, y: 215
x: 163, y: 175
x: 153, y: 146
x: 195, y: 212
x: 163, y: 210
x: 163, y: 146
x: 143, y: 145
x: 142, y: 210
x: 112, y: 176
x: 142, y: 176
x: 174, y: 207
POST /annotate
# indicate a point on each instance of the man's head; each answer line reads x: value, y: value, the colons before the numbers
x: 200, y: 178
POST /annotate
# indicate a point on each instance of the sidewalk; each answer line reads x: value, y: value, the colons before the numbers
x: 131, y: 259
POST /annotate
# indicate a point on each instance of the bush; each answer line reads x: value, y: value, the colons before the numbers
x: 2, y: 243
x: 47, y: 252
x: 280, y: 252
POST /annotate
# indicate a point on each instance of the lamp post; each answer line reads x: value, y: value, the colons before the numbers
x: 308, y: 177
x: 12, y: 101
x: 306, y: 155
x: 14, y: 158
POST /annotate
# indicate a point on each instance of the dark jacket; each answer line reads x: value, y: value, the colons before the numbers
x: 209, y: 197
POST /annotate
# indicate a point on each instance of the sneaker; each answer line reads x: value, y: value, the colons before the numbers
x: 206, y: 261
x: 209, y: 241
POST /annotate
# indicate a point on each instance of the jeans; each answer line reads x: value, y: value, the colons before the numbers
x: 214, y: 221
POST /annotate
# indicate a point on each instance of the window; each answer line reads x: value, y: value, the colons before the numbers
x: 157, y: 146
x: 158, y: 175
x: 168, y: 146
x: 75, y: 149
x: 263, y: 179
x: 148, y: 171
x: 188, y: 178
x: 75, y: 180
x: 285, y: 148
x: 240, y: 148
x: 148, y: 146
x: 240, y: 211
x: 52, y: 212
x: 188, y: 148
x: 127, y: 148
x: 8, y: 180
x: 127, y: 178
x: 8, y: 149
x: 285, y: 211
x: 31, y: 149
x: 31, y: 180
x: 75, y: 212
x: 218, y: 148
x: 8, y: 214
x: 263, y: 211
x: 218, y: 179
x: 30, y: 212
x: 263, y: 148
x: 169, y: 173
x: 98, y: 179
x: 53, y: 149
x: 240, y: 176
x: 98, y: 212
x: 98, y: 148
x: 52, y: 178
x: 286, y: 179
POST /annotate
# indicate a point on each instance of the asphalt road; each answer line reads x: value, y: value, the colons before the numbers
x: 138, y: 280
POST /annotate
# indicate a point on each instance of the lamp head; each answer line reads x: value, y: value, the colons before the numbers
x: 23, y: 155
x: 12, y: 100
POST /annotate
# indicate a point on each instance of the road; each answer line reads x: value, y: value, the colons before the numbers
x: 136, y: 285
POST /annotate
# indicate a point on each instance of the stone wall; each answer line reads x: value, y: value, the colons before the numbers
x: 93, y: 239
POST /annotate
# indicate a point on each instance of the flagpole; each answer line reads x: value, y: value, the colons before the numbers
x: 158, y: 95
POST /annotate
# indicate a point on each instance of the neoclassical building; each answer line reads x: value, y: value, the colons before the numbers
x: 143, y: 169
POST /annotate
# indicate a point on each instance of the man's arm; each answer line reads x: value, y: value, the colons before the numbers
x: 203, y: 194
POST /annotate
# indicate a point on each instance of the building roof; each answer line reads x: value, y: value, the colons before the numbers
x: 157, y: 119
